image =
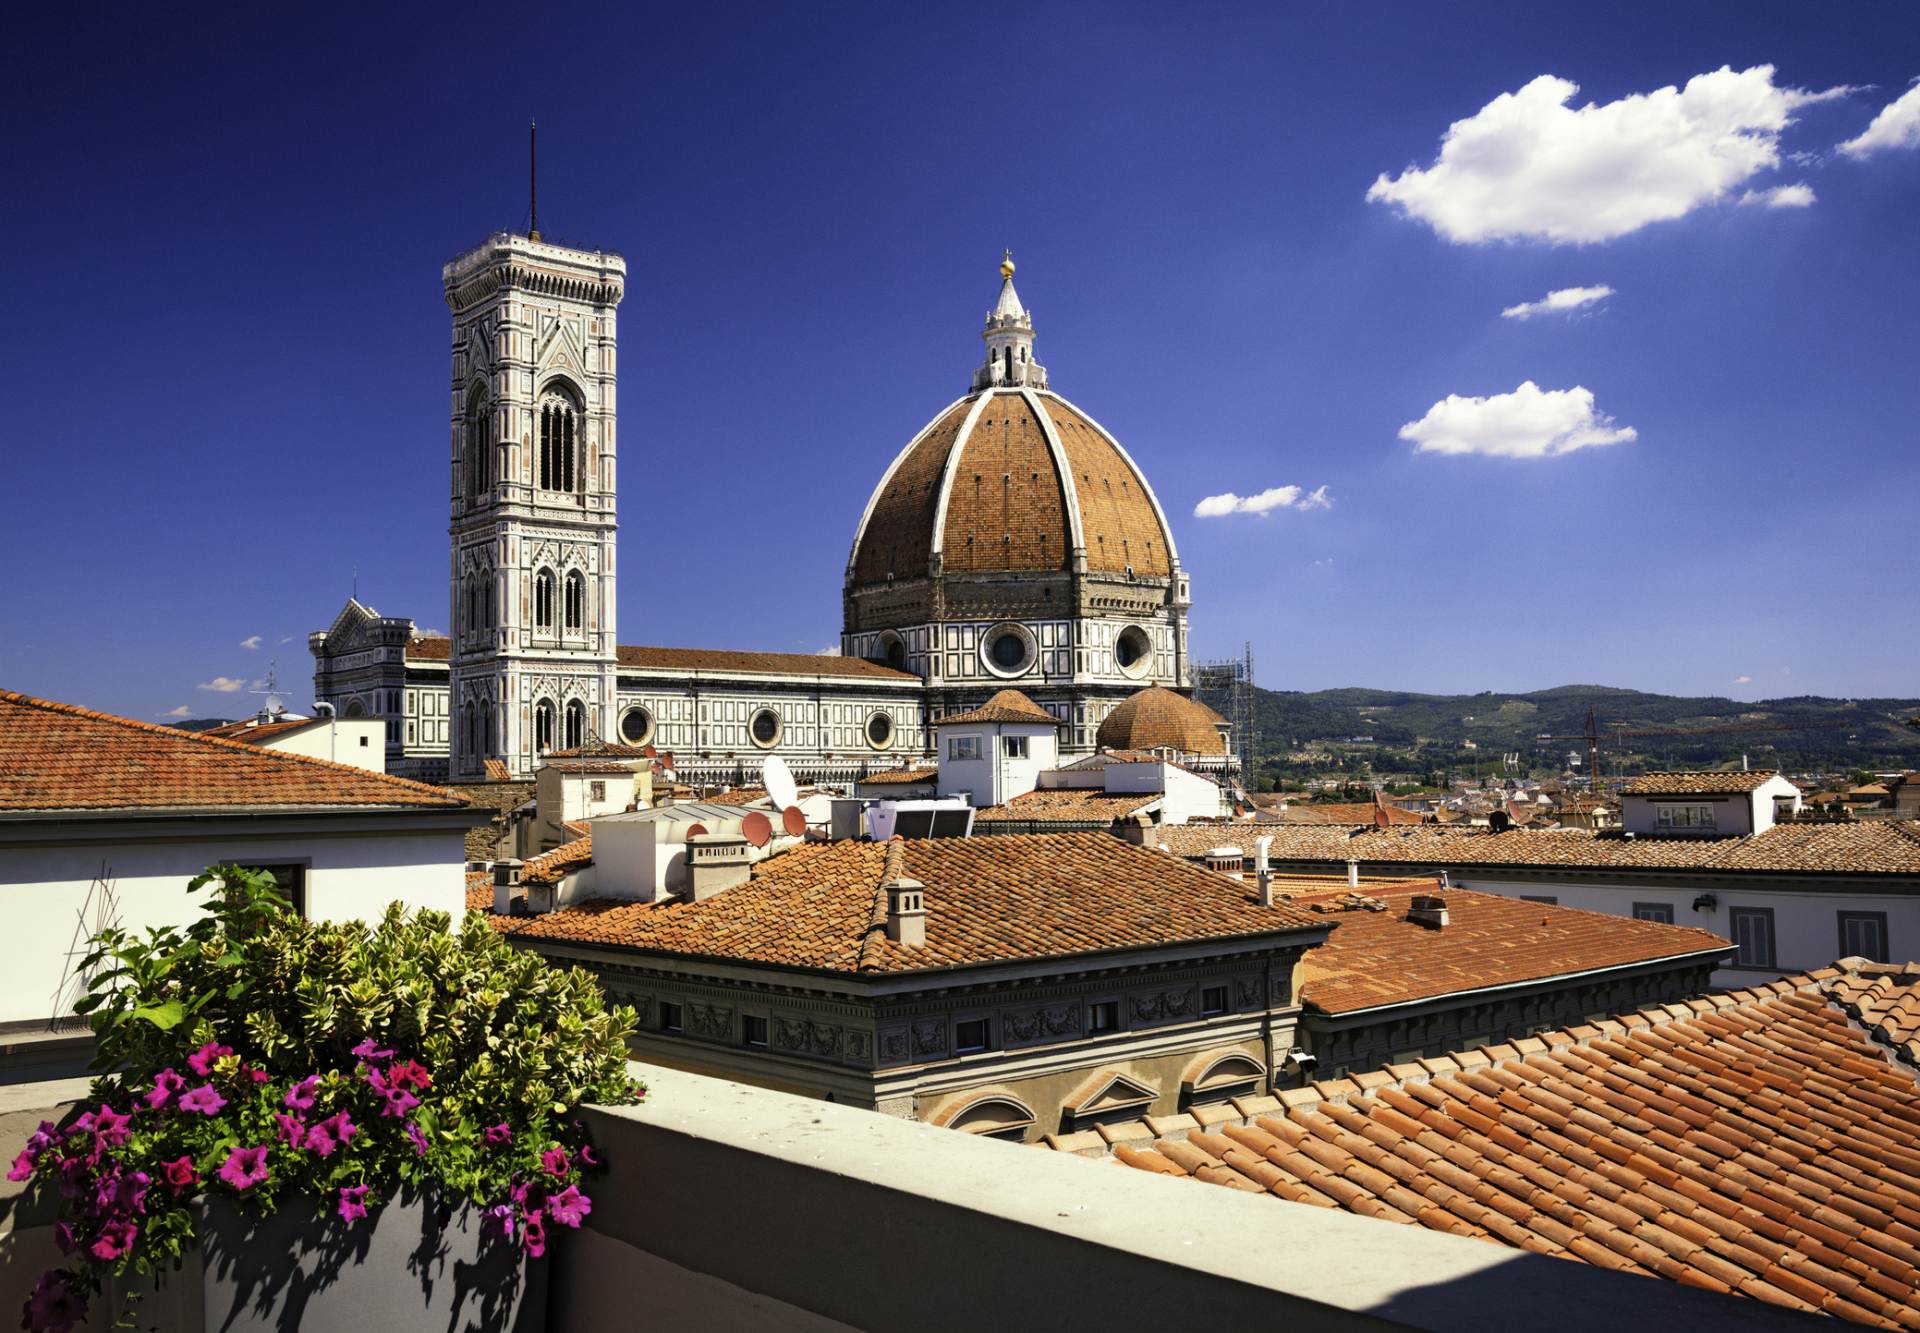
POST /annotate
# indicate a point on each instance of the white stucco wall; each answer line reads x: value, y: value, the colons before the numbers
x: 354, y: 740
x: 51, y: 896
x: 994, y: 779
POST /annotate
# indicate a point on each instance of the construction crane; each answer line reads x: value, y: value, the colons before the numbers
x: 1592, y: 735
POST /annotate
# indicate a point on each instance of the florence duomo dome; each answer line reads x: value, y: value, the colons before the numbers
x: 1014, y: 541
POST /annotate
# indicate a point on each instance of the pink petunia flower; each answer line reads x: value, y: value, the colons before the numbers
x: 291, y: 1128
x: 569, y: 1206
x: 331, y: 1133
x: 203, y: 1060
x: 54, y: 1306
x: 114, y: 1239
x: 111, y: 1129
x: 554, y: 1161
x: 165, y: 1084
x: 180, y: 1174
x: 533, y: 1234
x: 23, y: 1164
x: 587, y: 1157
x: 417, y: 1138
x: 245, y: 1168
x: 366, y: 1050
x: 497, y: 1136
x: 398, y: 1102
x: 500, y: 1218
x: 301, y: 1096
x: 202, y: 1099
x: 353, y: 1203
x: 63, y: 1237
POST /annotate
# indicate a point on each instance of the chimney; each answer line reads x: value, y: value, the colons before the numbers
x: 1262, y: 876
x: 1228, y: 861
x: 506, y: 877
x: 907, y: 912
x: 1353, y: 874
x: 716, y: 861
x: 1429, y: 910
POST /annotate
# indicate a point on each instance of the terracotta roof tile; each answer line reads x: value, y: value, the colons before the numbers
x: 551, y: 867
x: 1005, y: 706
x: 720, y: 661
x: 254, y: 733
x: 430, y: 648
x: 1068, y: 805
x: 1378, y: 958
x: 900, y: 777
x: 988, y: 900
x: 1698, y: 783
x: 1885, y: 846
x: 1588, y: 1147
x: 479, y: 891
x: 1158, y: 717
x: 60, y: 757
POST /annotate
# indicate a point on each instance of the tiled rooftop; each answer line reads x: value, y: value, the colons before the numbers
x: 479, y: 891
x: 1005, y: 706
x: 253, y: 733
x: 1885, y: 998
x: 1382, y: 957
x: 1886, y: 846
x: 1751, y: 1142
x: 59, y: 757
x: 430, y: 648
x: 900, y: 777
x: 726, y: 662
x: 1698, y: 783
x: 988, y: 900
x: 551, y: 867
x: 1346, y: 814
x: 1074, y: 805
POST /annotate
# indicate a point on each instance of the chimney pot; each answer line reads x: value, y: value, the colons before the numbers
x: 1263, y: 876
x: 907, y: 912
x: 1429, y: 910
x: 506, y: 876
x: 1353, y: 874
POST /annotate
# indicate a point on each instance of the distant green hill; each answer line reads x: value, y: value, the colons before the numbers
x: 1392, y: 731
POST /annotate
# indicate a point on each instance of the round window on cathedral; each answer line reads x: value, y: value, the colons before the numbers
x: 879, y: 731
x: 1008, y: 650
x: 636, y: 726
x: 1133, y: 651
x: 765, y: 728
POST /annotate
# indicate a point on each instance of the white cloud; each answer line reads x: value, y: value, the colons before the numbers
x: 252, y: 641
x: 1897, y: 126
x: 1274, y: 497
x: 1743, y: 680
x: 181, y: 711
x: 224, y: 684
x: 1530, y: 422
x: 288, y: 639
x: 1553, y: 303
x: 831, y: 650
x: 1527, y: 165
x: 1798, y: 195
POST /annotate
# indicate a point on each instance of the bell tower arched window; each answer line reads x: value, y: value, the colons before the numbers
x: 478, y: 445
x: 543, y: 726
x: 576, y: 725
x: 543, y: 599
x: 576, y: 602
x: 559, y: 443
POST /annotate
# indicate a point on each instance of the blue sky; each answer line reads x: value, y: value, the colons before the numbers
x: 227, y: 346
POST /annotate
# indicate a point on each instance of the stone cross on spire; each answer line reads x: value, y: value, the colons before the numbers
x: 1009, y: 339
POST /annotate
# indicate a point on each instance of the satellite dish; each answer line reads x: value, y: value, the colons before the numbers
x: 757, y: 828
x: 792, y: 821
x: 777, y: 778
x: 696, y: 831
x: 648, y: 751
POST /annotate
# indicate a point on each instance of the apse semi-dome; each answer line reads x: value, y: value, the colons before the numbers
x: 1157, y: 718
x: 1015, y: 540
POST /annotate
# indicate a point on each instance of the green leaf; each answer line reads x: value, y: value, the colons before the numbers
x: 163, y: 1016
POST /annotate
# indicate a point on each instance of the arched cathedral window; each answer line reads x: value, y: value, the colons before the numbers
x: 559, y: 427
x: 478, y: 445
x: 576, y: 601
x: 543, y: 599
x: 576, y: 725
x: 543, y: 726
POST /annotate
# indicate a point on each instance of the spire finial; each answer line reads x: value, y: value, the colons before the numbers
x: 533, y: 180
x: 1006, y: 263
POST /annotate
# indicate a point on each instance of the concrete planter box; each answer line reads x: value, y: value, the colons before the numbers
x: 414, y: 1264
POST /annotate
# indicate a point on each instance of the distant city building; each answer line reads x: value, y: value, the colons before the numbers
x: 1012, y: 543
x: 359, y: 741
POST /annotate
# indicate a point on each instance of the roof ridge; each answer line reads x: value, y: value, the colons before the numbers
x: 893, y: 866
x: 198, y: 738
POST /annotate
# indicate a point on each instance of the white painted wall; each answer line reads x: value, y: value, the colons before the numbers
x: 993, y: 778
x: 1734, y: 814
x: 358, y: 741
x: 51, y: 898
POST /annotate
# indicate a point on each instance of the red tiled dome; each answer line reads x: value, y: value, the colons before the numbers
x: 1157, y: 717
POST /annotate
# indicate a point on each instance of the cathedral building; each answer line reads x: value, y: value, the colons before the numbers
x: 1012, y: 542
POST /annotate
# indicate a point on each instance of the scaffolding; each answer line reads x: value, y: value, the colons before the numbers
x: 1226, y: 686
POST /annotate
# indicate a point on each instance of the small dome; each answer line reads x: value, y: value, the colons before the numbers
x: 1157, y: 718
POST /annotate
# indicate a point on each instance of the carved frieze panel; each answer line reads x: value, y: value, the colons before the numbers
x: 895, y: 1046
x: 1162, y: 1006
x: 709, y: 1020
x: 1246, y: 992
x: 1046, y: 1023
x: 930, y: 1037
